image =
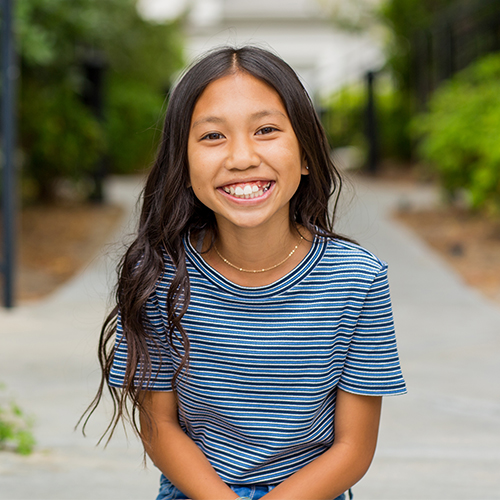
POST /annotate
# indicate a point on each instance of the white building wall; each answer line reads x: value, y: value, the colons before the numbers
x: 300, y: 31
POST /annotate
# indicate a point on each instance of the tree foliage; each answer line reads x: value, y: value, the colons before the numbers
x: 60, y: 135
x: 394, y: 101
x: 404, y: 19
x: 460, y: 134
x: 345, y: 119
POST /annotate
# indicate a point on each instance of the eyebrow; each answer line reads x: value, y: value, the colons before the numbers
x: 254, y: 116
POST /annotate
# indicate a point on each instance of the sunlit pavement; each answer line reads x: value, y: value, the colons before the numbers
x: 440, y: 441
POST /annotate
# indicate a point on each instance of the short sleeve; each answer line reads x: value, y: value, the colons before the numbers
x: 159, y: 352
x: 372, y: 364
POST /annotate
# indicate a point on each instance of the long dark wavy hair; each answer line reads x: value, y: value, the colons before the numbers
x: 170, y: 209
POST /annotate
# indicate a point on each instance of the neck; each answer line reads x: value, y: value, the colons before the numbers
x: 256, y: 248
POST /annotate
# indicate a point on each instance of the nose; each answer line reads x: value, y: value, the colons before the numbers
x: 242, y: 154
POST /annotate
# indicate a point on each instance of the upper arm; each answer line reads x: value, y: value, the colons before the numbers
x: 157, y: 408
x: 357, y: 421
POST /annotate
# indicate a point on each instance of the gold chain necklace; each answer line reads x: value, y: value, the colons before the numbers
x: 259, y: 270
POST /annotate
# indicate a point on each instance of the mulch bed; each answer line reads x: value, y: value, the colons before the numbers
x: 470, y: 243
x: 55, y: 242
x: 58, y: 241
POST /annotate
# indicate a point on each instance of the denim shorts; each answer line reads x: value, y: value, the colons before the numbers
x: 169, y: 492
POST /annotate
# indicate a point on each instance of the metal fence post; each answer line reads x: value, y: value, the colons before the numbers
x: 9, y: 76
x: 93, y: 97
x: 371, y: 124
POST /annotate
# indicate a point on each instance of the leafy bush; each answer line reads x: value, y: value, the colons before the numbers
x: 393, y: 118
x: 60, y: 136
x: 460, y: 134
x: 15, y: 428
x: 345, y: 119
x: 404, y: 18
x: 132, y: 116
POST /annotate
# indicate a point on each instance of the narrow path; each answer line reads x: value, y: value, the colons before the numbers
x: 441, y: 441
x: 49, y: 365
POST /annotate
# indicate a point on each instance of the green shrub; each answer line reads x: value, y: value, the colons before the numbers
x: 460, y: 134
x: 345, y: 119
x: 405, y: 18
x: 131, y: 125
x: 393, y: 119
x: 15, y: 428
x: 59, y: 136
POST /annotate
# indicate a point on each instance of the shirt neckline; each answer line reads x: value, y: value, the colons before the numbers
x: 298, y: 273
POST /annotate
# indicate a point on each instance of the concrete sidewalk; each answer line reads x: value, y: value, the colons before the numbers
x: 441, y: 441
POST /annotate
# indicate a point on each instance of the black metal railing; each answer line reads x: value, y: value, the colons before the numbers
x: 459, y: 35
x: 8, y: 181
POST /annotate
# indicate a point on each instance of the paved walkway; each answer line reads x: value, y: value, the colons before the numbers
x: 441, y: 441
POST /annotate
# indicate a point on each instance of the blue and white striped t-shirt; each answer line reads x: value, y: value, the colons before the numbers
x: 265, y: 362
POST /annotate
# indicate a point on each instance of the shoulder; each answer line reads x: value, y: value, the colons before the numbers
x: 342, y: 254
x: 166, y: 274
x: 169, y: 271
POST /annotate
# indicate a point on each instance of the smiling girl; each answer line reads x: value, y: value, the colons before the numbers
x: 254, y: 343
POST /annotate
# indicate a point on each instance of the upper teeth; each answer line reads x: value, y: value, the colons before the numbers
x: 247, y: 191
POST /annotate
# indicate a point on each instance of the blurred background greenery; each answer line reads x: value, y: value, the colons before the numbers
x: 460, y: 134
x: 65, y: 132
x: 436, y: 99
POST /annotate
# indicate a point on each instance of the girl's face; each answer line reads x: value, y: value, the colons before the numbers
x: 245, y: 162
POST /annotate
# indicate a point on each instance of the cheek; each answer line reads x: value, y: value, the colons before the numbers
x: 194, y: 170
x: 285, y: 153
x: 294, y: 160
x: 194, y: 160
x: 203, y: 168
x: 199, y: 177
x: 294, y: 152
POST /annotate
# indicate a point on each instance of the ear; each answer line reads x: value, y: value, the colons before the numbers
x: 304, y: 169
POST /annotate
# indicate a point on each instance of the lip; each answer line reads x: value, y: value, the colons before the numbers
x: 247, y: 201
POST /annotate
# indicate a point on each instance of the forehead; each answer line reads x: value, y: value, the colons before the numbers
x: 238, y: 93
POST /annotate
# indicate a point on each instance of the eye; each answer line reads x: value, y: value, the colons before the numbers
x: 212, y: 136
x: 266, y: 130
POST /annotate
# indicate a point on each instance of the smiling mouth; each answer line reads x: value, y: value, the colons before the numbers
x: 247, y: 190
